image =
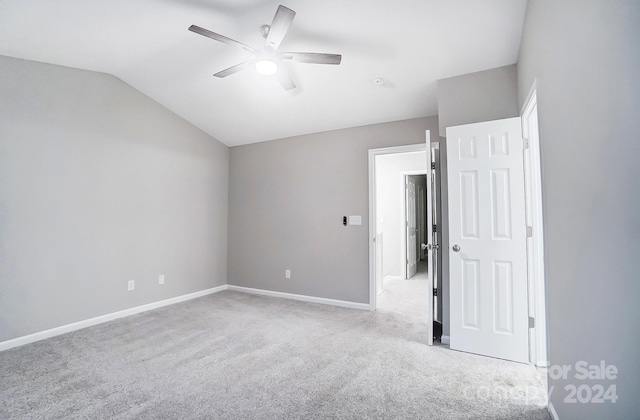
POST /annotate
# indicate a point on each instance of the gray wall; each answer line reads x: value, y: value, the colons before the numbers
x: 287, y: 198
x: 476, y: 97
x: 99, y: 185
x: 586, y: 55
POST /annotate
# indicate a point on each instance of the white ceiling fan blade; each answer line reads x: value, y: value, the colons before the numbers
x: 233, y: 69
x: 218, y: 37
x: 285, y: 80
x: 314, y: 58
x: 279, y: 26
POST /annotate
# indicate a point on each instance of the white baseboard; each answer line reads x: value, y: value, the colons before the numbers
x: 552, y: 411
x: 389, y: 278
x: 303, y: 298
x: 445, y: 339
x: 20, y: 341
x: 41, y: 335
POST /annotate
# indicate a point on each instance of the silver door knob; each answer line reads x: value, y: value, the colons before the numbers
x: 424, y: 246
x: 436, y: 247
x: 456, y: 248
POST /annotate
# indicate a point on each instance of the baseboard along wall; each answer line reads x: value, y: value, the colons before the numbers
x: 31, y: 338
x: 302, y: 298
x: 389, y: 278
x: 42, y: 335
x: 552, y: 411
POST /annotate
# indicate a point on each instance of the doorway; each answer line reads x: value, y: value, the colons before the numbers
x: 414, y: 223
x: 405, y: 295
x: 390, y: 171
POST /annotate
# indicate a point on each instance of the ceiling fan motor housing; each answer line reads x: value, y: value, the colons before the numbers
x: 264, y: 30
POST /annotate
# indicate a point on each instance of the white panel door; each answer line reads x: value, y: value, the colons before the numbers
x: 487, y: 237
x: 412, y: 257
x: 430, y: 244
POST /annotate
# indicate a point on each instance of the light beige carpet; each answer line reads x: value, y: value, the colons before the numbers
x: 237, y: 356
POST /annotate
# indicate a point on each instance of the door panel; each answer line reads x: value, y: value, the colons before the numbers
x: 469, y: 204
x: 487, y: 234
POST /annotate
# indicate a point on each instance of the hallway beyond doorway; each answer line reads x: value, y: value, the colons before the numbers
x: 407, y: 298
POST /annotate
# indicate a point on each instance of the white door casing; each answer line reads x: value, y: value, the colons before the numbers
x: 535, y: 239
x: 487, y: 236
x: 410, y: 225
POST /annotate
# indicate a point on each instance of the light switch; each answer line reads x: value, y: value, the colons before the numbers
x: 355, y: 220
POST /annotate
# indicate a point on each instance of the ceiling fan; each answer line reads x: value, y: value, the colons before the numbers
x: 267, y: 58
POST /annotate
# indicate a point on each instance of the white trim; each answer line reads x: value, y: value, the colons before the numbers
x: 534, y: 218
x: 532, y: 91
x: 31, y: 338
x: 552, y: 411
x: 445, y: 339
x: 302, y: 298
x: 372, y: 209
x: 388, y: 279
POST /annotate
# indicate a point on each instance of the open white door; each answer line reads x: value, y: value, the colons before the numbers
x: 429, y: 245
x: 487, y: 234
x: 411, y: 225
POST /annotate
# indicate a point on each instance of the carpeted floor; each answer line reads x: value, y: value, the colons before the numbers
x: 407, y: 298
x: 237, y: 356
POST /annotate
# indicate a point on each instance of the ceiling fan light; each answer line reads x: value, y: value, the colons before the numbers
x: 266, y: 67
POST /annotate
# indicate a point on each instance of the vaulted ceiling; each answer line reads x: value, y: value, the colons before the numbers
x: 409, y: 43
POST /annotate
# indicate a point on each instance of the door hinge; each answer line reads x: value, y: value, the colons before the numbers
x: 435, y: 228
x: 525, y: 144
x: 529, y: 231
x: 433, y: 165
x: 435, y: 291
x: 532, y: 322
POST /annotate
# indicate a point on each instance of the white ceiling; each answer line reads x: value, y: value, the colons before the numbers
x: 410, y: 43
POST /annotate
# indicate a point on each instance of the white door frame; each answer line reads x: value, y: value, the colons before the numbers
x: 403, y: 209
x: 535, y: 220
x: 373, y: 216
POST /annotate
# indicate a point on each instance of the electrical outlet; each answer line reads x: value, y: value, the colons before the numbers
x: 287, y: 274
x: 161, y: 279
x: 131, y: 285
